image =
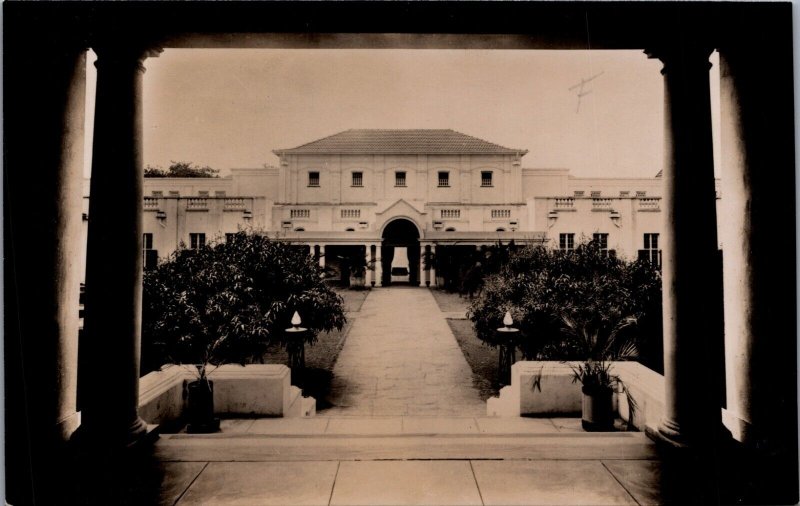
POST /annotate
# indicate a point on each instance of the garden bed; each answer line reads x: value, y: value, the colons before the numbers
x: 449, y: 302
x: 481, y: 358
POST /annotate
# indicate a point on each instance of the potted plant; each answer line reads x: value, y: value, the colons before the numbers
x: 600, y: 345
x: 358, y: 265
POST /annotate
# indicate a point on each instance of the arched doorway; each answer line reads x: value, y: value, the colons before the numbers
x: 397, y: 234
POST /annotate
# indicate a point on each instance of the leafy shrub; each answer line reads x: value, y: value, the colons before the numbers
x: 541, y: 286
x: 226, y: 302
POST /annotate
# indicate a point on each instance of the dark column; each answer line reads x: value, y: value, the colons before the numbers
x: 114, y: 252
x: 690, y: 260
x: 758, y: 202
x: 43, y: 165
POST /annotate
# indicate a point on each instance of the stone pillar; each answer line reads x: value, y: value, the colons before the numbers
x: 689, y: 242
x: 423, y: 274
x: 378, y: 265
x: 758, y: 206
x: 114, y: 252
x: 43, y: 173
x: 322, y: 256
x: 432, y: 270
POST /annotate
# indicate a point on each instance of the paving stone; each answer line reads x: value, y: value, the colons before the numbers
x: 262, y: 483
x: 401, y: 358
x: 405, y: 483
x: 312, y: 425
x: 516, y: 425
x: 548, y: 483
x: 641, y: 478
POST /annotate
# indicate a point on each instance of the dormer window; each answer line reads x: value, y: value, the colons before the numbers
x: 313, y: 179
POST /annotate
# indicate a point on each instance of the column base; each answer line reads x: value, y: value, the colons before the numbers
x: 667, y: 434
x: 136, y: 434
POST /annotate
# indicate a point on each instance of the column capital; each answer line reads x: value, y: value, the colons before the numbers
x: 681, y: 56
x: 117, y: 53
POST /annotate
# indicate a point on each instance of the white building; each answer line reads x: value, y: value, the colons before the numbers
x: 418, y: 189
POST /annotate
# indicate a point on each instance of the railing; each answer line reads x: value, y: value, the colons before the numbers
x: 300, y: 213
x: 565, y: 203
x: 486, y: 181
x: 197, y: 204
x: 601, y: 204
x: 649, y: 204
x: 444, y: 182
x: 350, y: 213
x: 501, y: 213
x: 450, y: 214
x: 151, y: 204
x: 235, y: 204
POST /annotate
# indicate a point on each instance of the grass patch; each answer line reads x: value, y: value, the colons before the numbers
x: 353, y: 299
x: 481, y: 358
x: 449, y: 302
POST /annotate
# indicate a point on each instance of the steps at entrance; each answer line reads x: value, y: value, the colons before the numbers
x: 300, y: 407
x: 244, y: 447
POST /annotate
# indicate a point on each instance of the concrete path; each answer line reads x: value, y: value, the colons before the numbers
x: 401, y: 358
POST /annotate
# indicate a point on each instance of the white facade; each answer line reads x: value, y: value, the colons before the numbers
x: 346, y: 189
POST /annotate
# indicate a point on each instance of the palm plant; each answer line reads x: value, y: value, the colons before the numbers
x: 600, y: 341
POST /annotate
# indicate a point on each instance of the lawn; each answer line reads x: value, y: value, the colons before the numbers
x: 481, y: 358
x: 449, y: 302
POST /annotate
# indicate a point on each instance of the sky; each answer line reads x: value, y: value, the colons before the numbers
x: 230, y: 108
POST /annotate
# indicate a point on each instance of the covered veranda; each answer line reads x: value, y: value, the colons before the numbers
x: 744, y: 441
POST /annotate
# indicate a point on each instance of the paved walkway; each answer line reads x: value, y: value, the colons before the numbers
x: 407, y: 460
x: 401, y: 358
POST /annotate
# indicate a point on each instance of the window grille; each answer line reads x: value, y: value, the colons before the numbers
x: 444, y: 179
x: 486, y: 178
x: 400, y: 178
x: 595, y: 193
x: 313, y: 179
x: 157, y: 194
x: 451, y: 214
x: 358, y: 179
x: 351, y: 213
x: 641, y: 194
x: 579, y: 193
x: 300, y: 213
x: 501, y: 213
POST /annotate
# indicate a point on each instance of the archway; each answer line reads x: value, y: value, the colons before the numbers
x: 400, y: 233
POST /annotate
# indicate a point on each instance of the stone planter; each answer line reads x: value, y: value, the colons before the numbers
x: 597, y: 410
x: 357, y: 281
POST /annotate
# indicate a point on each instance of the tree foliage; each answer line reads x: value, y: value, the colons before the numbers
x: 568, y: 305
x: 227, y: 301
x: 181, y: 169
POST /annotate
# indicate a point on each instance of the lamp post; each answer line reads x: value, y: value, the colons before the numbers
x: 296, y: 348
x: 507, y: 336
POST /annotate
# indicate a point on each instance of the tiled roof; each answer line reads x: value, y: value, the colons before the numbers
x: 400, y: 142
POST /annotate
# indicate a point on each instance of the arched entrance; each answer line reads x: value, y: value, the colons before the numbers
x: 400, y: 233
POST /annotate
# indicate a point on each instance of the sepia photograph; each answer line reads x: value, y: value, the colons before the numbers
x: 399, y: 253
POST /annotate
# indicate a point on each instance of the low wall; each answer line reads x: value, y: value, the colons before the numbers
x: 546, y: 389
x: 252, y: 390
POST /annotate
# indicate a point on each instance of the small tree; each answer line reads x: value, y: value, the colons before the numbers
x: 226, y: 302
x: 541, y: 286
x: 181, y: 169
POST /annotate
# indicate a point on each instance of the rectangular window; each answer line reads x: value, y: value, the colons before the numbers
x: 624, y: 193
x: 351, y: 213
x: 452, y: 214
x: 651, y: 253
x: 566, y: 242
x: 219, y: 193
x: 300, y: 213
x: 595, y: 193
x: 197, y: 241
x: 486, y: 178
x: 358, y: 179
x: 400, y: 178
x: 498, y: 214
x: 313, y: 179
x: 444, y: 179
x: 157, y: 194
x: 202, y: 193
x: 149, y: 255
x: 229, y: 236
x: 641, y: 194
x: 173, y: 193
x: 602, y: 241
